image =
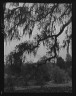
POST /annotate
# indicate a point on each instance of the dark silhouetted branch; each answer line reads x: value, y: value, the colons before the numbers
x: 63, y: 27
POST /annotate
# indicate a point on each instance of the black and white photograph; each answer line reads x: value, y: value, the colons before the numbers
x: 37, y: 47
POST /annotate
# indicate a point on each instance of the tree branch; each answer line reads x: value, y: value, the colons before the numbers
x: 31, y: 47
x: 64, y: 13
x: 48, y: 12
x: 63, y: 27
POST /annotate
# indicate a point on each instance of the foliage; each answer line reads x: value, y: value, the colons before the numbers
x: 39, y: 74
x: 45, y: 15
x: 68, y: 64
x: 61, y: 63
x: 14, y: 62
x: 69, y: 70
x: 27, y: 71
x: 42, y: 74
x: 68, y: 57
x: 59, y: 75
x: 68, y: 61
x: 9, y: 83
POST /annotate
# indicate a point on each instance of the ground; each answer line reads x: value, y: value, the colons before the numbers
x: 48, y: 87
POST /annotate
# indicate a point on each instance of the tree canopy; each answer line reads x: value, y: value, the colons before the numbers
x: 52, y: 20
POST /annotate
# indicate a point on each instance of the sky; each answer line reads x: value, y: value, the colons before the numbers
x: 41, y: 51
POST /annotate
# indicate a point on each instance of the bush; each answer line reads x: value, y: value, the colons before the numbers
x: 68, y: 64
x: 69, y: 70
x: 61, y: 63
x: 42, y: 74
x: 9, y: 83
x: 58, y: 75
x: 12, y: 70
x: 39, y: 73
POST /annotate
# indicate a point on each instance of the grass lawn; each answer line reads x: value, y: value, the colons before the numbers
x: 48, y: 87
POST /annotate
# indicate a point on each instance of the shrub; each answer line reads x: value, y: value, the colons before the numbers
x: 9, y: 83
x: 69, y: 70
x: 68, y: 64
x: 67, y: 78
x: 61, y: 63
x: 27, y: 71
x: 42, y: 74
x: 39, y: 73
x: 58, y: 75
